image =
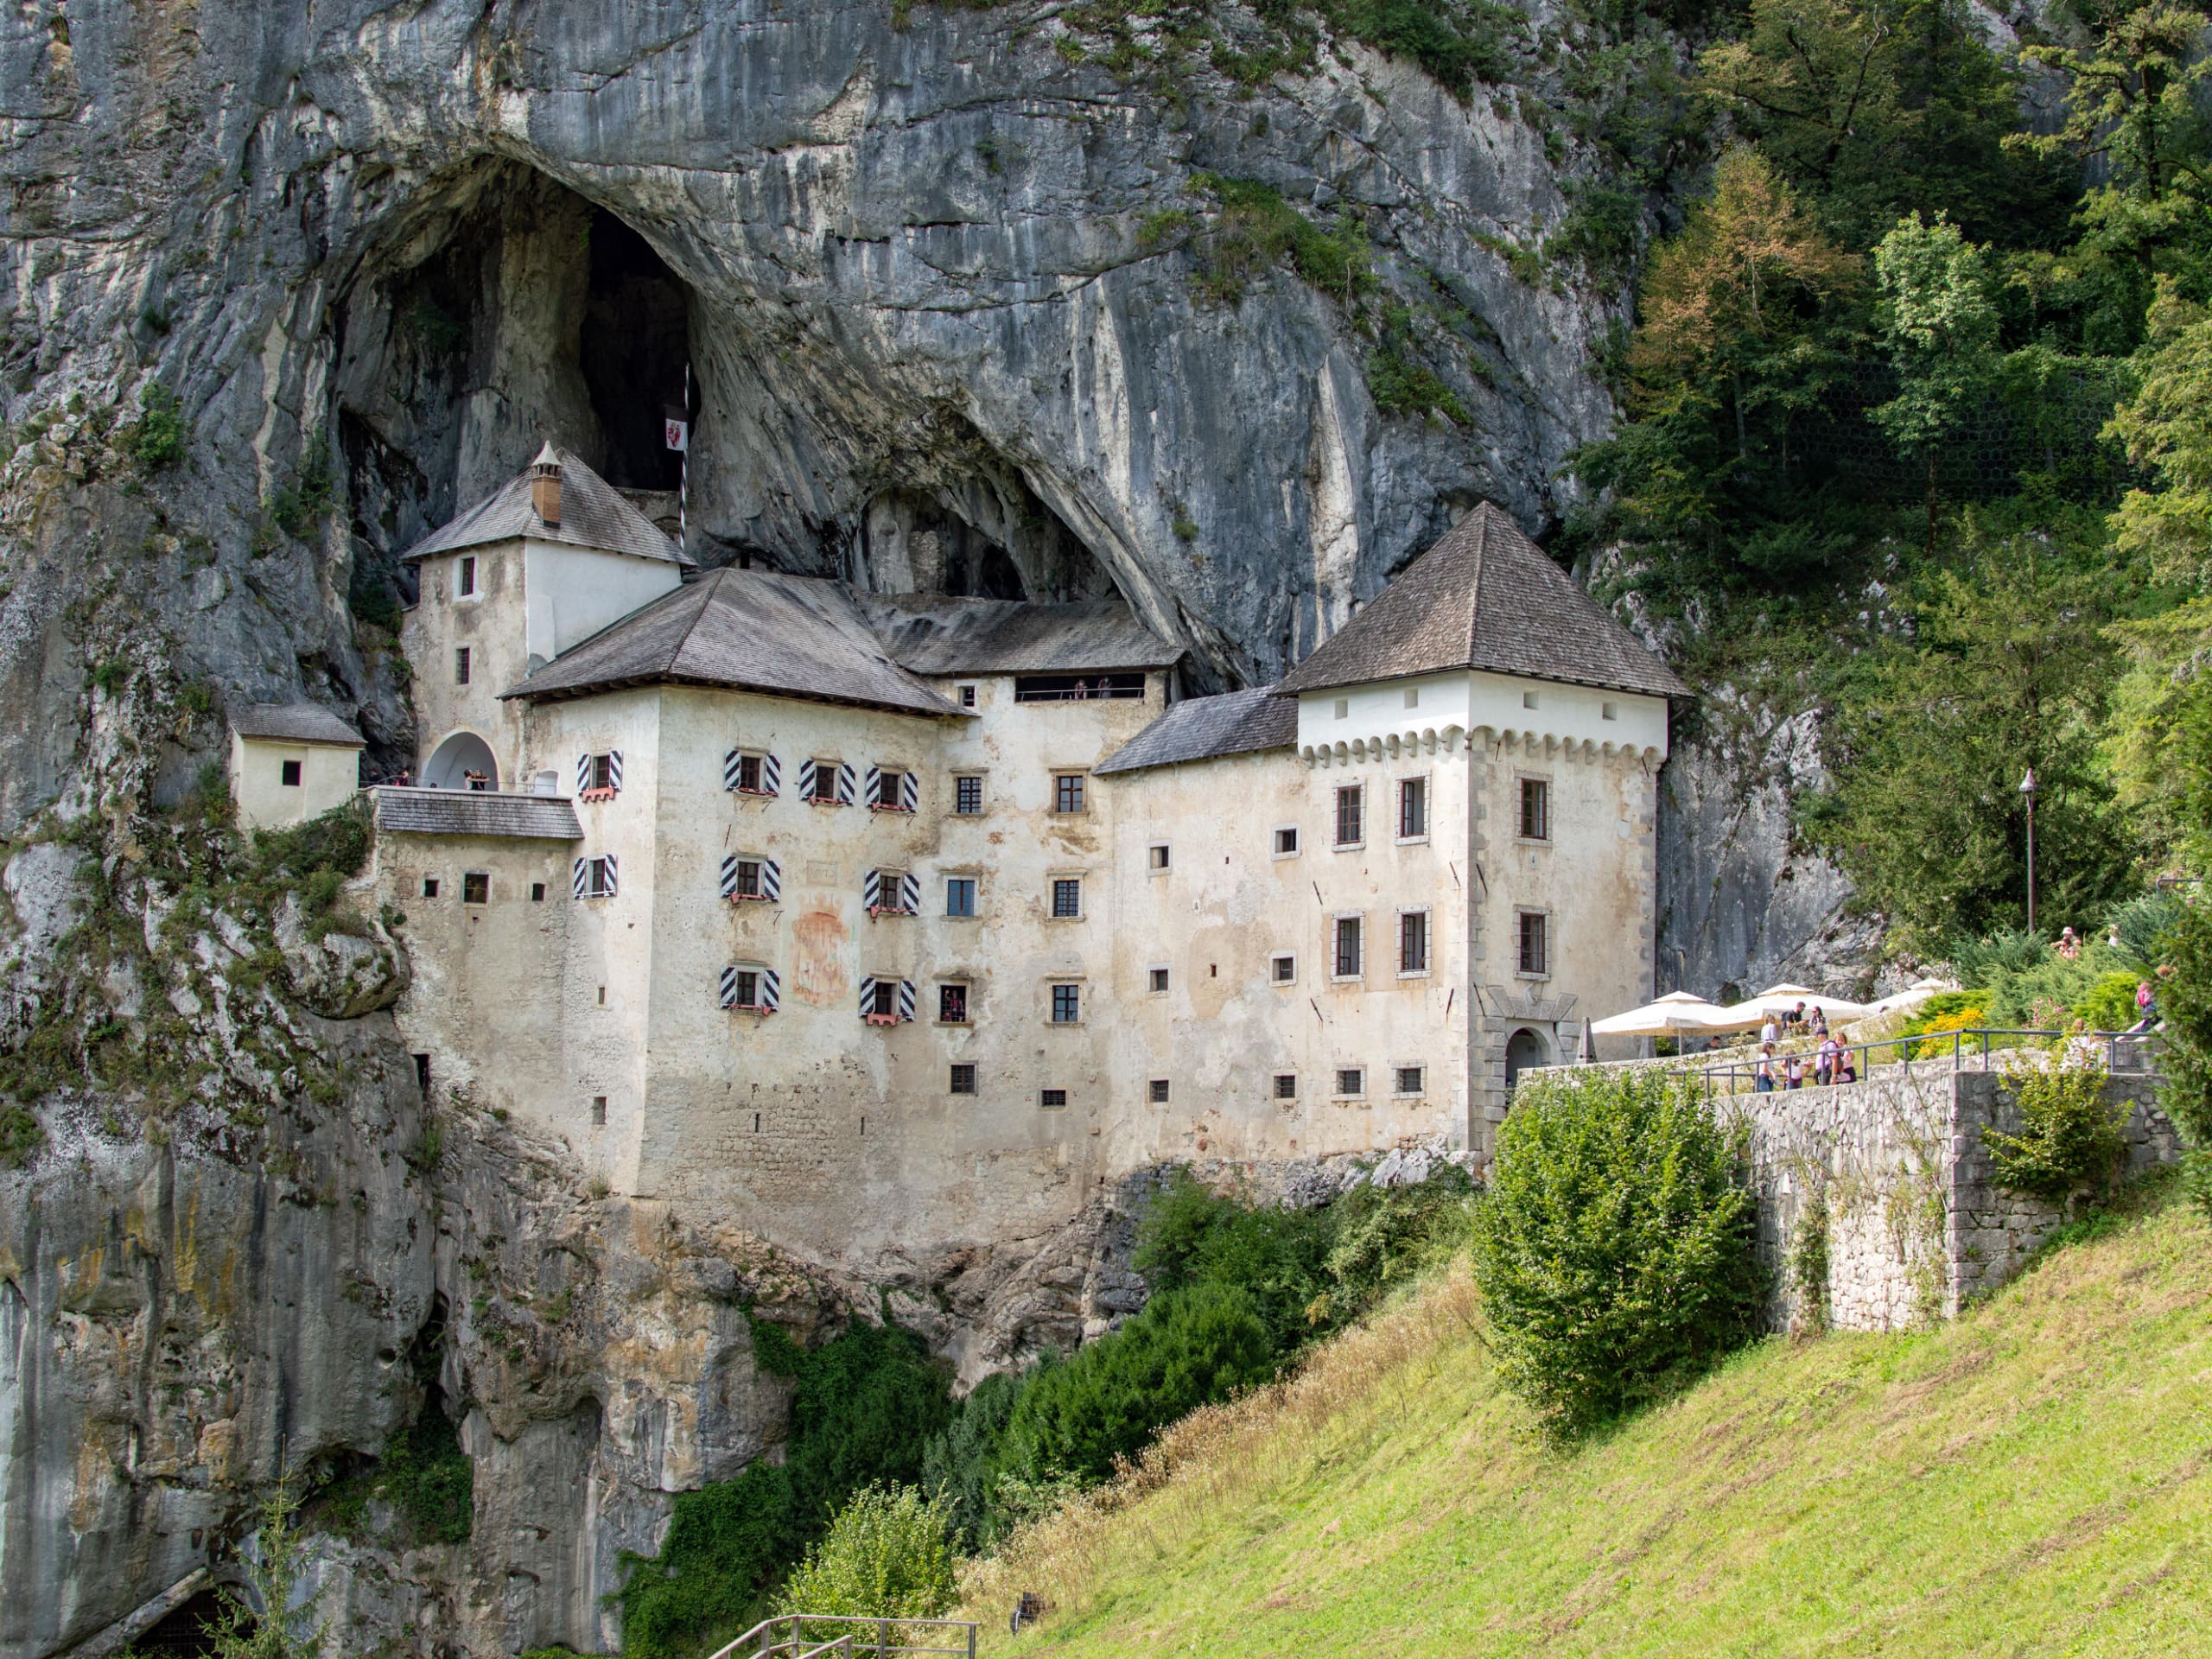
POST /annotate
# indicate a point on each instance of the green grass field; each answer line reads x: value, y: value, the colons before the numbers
x: 2034, y: 1479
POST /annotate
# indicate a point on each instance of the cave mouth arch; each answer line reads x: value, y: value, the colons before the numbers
x: 635, y: 354
x: 186, y: 1632
x: 461, y: 753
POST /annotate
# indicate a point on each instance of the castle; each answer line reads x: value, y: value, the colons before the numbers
x: 868, y: 920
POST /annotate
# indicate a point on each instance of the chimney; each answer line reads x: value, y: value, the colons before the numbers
x: 545, y: 486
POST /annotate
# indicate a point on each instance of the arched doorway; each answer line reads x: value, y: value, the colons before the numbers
x: 1524, y: 1049
x: 454, y: 758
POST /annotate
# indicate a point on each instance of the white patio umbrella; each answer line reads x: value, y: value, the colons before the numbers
x: 1781, y: 999
x: 1667, y: 1016
x: 1913, y: 994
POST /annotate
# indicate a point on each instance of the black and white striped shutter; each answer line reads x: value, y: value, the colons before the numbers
x: 771, y: 775
x: 614, y: 769
x: 806, y: 780
x: 871, y: 890
x: 609, y: 862
x: 875, y: 786
x: 845, y: 779
x: 867, y: 997
x: 772, y: 881
x: 733, y: 765
x: 584, y: 773
x: 771, y: 992
x: 729, y: 876
x: 910, y: 793
x: 906, y: 999
x: 910, y: 894
x: 583, y: 874
x: 729, y: 988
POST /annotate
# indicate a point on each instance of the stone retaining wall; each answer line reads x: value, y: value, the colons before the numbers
x: 1891, y: 1180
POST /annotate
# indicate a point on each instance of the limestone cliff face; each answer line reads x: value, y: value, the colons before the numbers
x: 950, y: 302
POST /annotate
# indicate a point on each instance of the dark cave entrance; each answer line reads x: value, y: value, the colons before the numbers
x: 187, y: 1633
x: 634, y: 349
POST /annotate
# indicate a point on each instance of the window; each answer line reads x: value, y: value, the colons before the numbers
x: 750, y: 778
x: 595, y: 877
x: 1413, y: 808
x: 468, y: 587
x: 1343, y: 706
x: 1532, y: 942
x: 1412, y: 942
x: 1285, y: 1085
x: 744, y: 882
x: 960, y: 895
x: 1409, y: 1079
x: 1050, y: 1097
x: 538, y: 892
x: 754, y: 989
x: 599, y: 1111
x: 475, y: 887
x: 600, y: 775
x: 1156, y: 856
x: 1413, y: 697
x: 1075, y: 688
x: 1527, y: 700
x: 968, y: 797
x: 1067, y: 792
x: 460, y: 665
x: 891, y: 792
x: 1158, y: 978
x: 1282, y: 967
x: 1067, y: 1004
x: 1535, y: 810
x: 1349, y: 802
x: 745, y: 985
x: 968, y: 700
x: 290, y: 774
x: 1159, y: 1092
x: 1067, y: 898
x: 1351, y: 1081
x: 430, y: 887
x: 1287, y: 840
x: 1609, y: 711
x: 882, y: 1000
x: 952, y: 1005
x: 891, y: 893
x: 1348, y: 947
x: 963, y: 1080
x: 825, y: 781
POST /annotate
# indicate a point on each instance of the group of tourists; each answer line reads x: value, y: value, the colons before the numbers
x: 1830, y: 1063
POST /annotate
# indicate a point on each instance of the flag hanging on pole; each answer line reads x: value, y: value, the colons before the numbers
x: 675, y: 430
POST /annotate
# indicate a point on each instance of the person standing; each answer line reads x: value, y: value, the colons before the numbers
x: 1793, y: 1071
x: 1763, y: 1074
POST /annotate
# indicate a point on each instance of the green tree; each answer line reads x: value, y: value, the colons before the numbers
x: 2007, y: 668
x: 286, y: 1627
x: 888, y: 1554
x: 1939, y: 326
x: 1615, y: 1245
x: 2167, y: 427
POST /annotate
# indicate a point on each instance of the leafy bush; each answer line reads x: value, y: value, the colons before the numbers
x: 1257, y: 229
x: 2068, y: 1139
x: 2110, y: 1005
x: 1615, y: 1246
x: 431, y: 1479
x: 20, y: 1137
x: 155, y: 440
x: 887, y: 1555
x: 963, y: 1465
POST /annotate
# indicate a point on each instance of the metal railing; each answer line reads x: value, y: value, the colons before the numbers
x: 2123, y: 1053
x: 865, y: 1636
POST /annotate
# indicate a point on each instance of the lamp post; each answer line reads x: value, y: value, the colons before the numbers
x: 2028, y: 794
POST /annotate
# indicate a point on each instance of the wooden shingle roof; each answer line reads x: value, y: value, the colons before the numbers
x: 293, y: 722
x: 593, y: 515
x: 1485, y: 596
x: 927, y: 633
x: 1206, y: 729
x: 753, y: 630
x: 417, y: 811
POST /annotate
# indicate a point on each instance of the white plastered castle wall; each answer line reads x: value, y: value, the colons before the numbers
x: 329, y: 774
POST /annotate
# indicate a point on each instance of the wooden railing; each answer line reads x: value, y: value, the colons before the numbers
x: 800, y: 1639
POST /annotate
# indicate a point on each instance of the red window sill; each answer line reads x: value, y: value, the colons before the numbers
x: 878, y: 806
x: 749, y: 1008
x: 748, y: 898
x: 882, y: 1018
x: 598, y: 795
x: 824, y: 800
x: 887, y: 910
x: 765, y: 794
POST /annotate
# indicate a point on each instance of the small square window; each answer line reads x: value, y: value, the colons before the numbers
x: 538, y: 892
x: 825, y: 781
x: 960, y: 895
x: 883, y: 999
x: 1067, y: 792
x: 1067, y: 1004
x: 891, y: 893
x: 599, y: 1111
x: 968, y: 700
x: 1050, y: 1097
x: 599, y: 775
x: 1287, y: 842
x: 1158, y: 978
x: 467, y: 576
x: 963, y: 1081
x: 1343, y: 706
x: 748, y: 775
x: 602, y: 996
x: 747, y: 986
x: 1067, y: 898
x: 1412, y: 942
x: 1527, y: 700
x: 460, y: 665
x: 890, y: 792
x: 1159, y: 1091
x: 746, y: 879
x: 952, y: 1005
x: 1413, y: 697
x: 968, y: 797
x: 1156, y: 855
x: 290, y: 774
x: 1348, y: 947
x: 1285, y: 1085
x: 1609, y: 711
x: 1351, y: 1081
x: 1409, y: 1079
x: 1534, y: 956
x: 1349, y: 799
x: 1282, y: 967
x: 599, y: 880
x: 1535, y: 810
x: 1413, y: 808
x: 430, y: 887
x: 475, y: 887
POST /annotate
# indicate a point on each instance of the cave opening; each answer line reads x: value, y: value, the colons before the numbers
x: 189, y: 1632
x: 633, y: 352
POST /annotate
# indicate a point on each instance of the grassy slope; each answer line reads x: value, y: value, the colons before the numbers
x: 2034, y: 1479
